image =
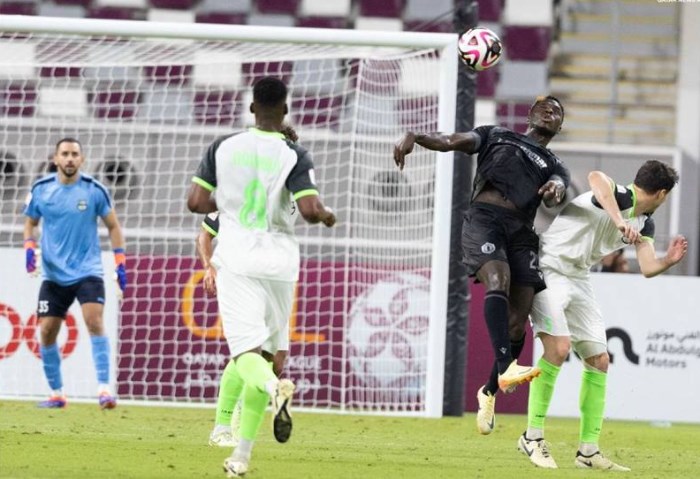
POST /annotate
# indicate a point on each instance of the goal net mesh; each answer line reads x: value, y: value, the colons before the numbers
x: 145, y: 110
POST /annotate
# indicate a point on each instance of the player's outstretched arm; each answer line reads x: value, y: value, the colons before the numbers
x: 465, y: 142
x: 603, y: 190
x: 650, y: 265
x: 314, y: 211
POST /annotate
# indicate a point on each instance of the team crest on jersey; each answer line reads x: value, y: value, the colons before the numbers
x: 82, y: 205
x: 488, y: 248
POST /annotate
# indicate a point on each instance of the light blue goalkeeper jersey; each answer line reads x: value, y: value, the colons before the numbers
x: 70, y: 246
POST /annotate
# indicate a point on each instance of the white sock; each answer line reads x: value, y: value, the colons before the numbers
x: 243, y: 450
x: 588, y: 448
x: 534, y: 433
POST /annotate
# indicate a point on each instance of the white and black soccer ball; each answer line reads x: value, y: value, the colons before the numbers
x: 480, y: 48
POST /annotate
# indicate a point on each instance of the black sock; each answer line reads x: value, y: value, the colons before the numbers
x: 496, y: 315
x: 516, y: 347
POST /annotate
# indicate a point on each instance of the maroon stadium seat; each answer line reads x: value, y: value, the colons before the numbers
x: 254, y: 71
x: 173, y: 4
x: 116, y: 13
x: 419, y: 113
x: 168, y: 74
x: 424, y: 26
x: 218, y: 107
x: 323, y: 22
x: 18, y: 100
x: 114, y: 103
x: 383, y: 8
x: 490, y: 10
x: 513, y: 115
x: 17, y: 8
x: 222, y: 18
x: 317, y: 110
x: 486, y: 82
x: 527, y: 43
x: 288, y: 7
x: 80, y: 3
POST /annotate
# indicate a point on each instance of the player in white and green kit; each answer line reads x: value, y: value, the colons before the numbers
x: 262, y: 180
x: 566, y: 315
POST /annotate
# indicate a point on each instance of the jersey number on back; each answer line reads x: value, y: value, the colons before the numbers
x: 254, y: 210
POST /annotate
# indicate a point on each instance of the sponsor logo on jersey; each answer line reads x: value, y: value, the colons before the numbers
x: 488, y: 248
x: 82, y: 205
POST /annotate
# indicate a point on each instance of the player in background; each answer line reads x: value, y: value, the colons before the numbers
x: 70, y: 202
x: 593, y: 225
x: 514, y: 174
x: 262, y: 180
x: 227, y: 423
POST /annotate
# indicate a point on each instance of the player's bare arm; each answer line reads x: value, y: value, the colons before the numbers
x: 116, y: 237
x: 205, y: 249
x: 29, y: 225
x: 553, y: 191
x: 199, y: 200
x: 602, y: 187
x: 314, y: 211
x: 465, y: 142
x: 650, y: 265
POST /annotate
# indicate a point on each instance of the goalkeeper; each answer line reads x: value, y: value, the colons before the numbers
x: 264, y: 180
x: 226, y: 431
x: 70, y: 203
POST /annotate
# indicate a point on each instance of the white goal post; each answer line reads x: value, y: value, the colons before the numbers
x: 146, y: 99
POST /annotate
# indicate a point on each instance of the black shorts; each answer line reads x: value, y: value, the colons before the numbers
x: 54, y: 299
x: 491, y: 232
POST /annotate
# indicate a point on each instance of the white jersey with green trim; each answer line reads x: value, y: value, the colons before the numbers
x: 583, y: 233
x: 257, y: 175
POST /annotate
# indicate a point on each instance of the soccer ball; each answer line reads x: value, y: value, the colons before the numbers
x: 480, y: 48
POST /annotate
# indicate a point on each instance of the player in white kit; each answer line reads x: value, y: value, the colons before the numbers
x: 566, y: 314
x: 262, y: 180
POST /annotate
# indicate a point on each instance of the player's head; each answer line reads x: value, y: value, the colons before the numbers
x: 546, y: 115
x: 656, y: 179
x: 269, y: 98
x: 68, y: 156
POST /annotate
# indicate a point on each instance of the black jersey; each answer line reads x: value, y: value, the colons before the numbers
x: 516, y: 165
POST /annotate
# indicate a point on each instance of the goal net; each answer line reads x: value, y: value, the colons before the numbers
x: 145, y: 100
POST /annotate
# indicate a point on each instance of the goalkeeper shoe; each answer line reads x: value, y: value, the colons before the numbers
x: 538, y: 452
x: 107, y: 401
x: 54, y: 402
x: 598, y: 461
x: 516, y: 375
x: 235, y: 467
x: 221, y: 436
x: 486, y: 416
x: 282, y: 419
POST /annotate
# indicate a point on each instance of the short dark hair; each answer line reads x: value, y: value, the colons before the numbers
x: 654, y: 176
x: 68, y: 139
x: 269, y: 91
x: 552, y: 98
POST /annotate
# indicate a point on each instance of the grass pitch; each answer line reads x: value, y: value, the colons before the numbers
x: 153, y: 442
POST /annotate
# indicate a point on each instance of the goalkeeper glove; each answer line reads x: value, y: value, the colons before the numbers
x: 120, y: 271
x: 32, y: 255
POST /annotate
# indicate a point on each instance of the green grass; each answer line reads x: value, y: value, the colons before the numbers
x: 152, y: 442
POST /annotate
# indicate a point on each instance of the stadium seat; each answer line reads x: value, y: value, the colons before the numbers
x: 18, y: 100
x: 526, y: 42
x: 168, y: 74
x: 173, y: 4
x: 384, y: 8
x: 288, y: 7
x: 513, y: 115
x: 490, y: 10
x: 222, y: 18
x: 116, y: 13
x: 217, y: 107
x: 326, y: 8
x: 486, y: 82
x: 378, y: 77
x: 252, y: 72
x: 428, y: 26
x: 82, y: 3
x: 18, y: 8
x: 418, y: 114
x: 60, y: 72
x: 322, y: 111
x: 113, y: 103
x: 323, y: 22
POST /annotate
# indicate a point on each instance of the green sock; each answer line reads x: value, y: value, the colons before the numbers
x: 230, y: 387
x: 592, y: 404
x: 541, y: 390
x: 255, y: 371
x: 253, y: 412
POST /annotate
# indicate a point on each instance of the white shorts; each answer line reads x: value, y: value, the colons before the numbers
x: 254, y: 312
x: 568, y: 308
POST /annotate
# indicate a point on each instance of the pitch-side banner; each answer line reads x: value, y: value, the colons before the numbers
x: 21, y: 371
x: 654, y: 343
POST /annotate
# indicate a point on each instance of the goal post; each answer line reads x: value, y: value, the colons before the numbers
x: 146, y: 99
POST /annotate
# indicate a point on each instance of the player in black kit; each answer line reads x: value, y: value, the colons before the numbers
x: 514, y: 174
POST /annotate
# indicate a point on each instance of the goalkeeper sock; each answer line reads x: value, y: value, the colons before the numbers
x: 230, y: 387
x: 541, y: 391
x: 100, y: 356
x: 592, y: 404
x: 253, y: 412
x: 255, y: 371
x: 51, y: 359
